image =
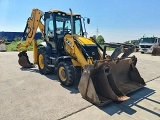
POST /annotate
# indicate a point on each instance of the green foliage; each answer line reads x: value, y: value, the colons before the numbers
x: 100, y: 39
x: 12, y: 46
x: 108, y: 48
x: 17, y: 38
x: 94, y: 37
x: 127, y: 42
x: 134, y: 42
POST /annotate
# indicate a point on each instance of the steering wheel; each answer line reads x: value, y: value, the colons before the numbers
x: 67, y: 30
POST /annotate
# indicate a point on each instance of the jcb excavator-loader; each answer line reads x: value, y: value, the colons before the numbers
x: 66, y: 49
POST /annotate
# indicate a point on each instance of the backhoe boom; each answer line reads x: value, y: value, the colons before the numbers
x: 33, y: 23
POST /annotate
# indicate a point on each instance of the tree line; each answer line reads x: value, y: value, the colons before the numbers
x: 99, y: 39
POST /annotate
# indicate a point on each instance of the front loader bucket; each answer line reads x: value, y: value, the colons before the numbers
x: 24, y: 60
x: 107, y: 81
x: 156, y: 51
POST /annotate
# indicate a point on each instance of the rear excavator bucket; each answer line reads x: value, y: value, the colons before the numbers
x: 110, y: 80
x: 24, y: 60
x: 156, y: 51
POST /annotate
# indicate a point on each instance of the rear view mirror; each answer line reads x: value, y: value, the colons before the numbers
x: 88, y: 20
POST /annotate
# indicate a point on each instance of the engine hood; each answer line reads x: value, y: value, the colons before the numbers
x: 84, y: 40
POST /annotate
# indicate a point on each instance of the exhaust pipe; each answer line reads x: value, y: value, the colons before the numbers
x: 71, y: 21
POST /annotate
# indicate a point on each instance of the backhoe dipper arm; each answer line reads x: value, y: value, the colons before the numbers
x: 33, y: 23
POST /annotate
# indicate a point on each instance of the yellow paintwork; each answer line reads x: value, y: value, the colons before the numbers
x: 84, y: 41
x: 73, y: 14
x: 33, y: 23
x: 76, y: 52
x: 35, y: 52
x: 40, y: 61
x: 75, y: 63
x: 56, y: 11
x: 60, y: 71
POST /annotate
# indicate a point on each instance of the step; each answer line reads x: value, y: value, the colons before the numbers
x: 51, y: 65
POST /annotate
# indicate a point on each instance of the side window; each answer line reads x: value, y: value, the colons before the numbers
x: 68, y: 25
x: 67, y: 28
x: 50, y: 29
x: 59, y: 27
x: 78, y: 27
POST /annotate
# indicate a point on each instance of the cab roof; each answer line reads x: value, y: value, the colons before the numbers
x: 67, y: 13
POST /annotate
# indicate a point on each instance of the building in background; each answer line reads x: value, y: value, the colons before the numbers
x: 10, y: 36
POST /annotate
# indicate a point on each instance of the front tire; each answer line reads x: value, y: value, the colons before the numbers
x: 66, y: 73
x: 44, y: 61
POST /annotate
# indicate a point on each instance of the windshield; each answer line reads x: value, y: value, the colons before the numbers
x: 63, y: 25
x: 147, y: 40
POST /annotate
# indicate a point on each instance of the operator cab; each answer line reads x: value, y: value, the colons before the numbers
x: 57, y: 25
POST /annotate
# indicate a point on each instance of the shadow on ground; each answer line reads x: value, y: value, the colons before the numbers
x: 136, y: 97
x: 35, y: 70
x: 73, y: 89
x: 115, y: 107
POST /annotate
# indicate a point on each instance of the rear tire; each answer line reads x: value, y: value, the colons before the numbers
x: 66, y: 73
x: 44, y: 61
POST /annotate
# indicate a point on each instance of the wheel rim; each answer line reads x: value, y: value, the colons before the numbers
x: 62, y: 74
x: 41, y: 62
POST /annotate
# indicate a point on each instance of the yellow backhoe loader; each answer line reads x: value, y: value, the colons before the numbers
x: 66, y: 49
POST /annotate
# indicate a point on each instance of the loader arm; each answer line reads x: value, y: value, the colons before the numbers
x: 33, y: 23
